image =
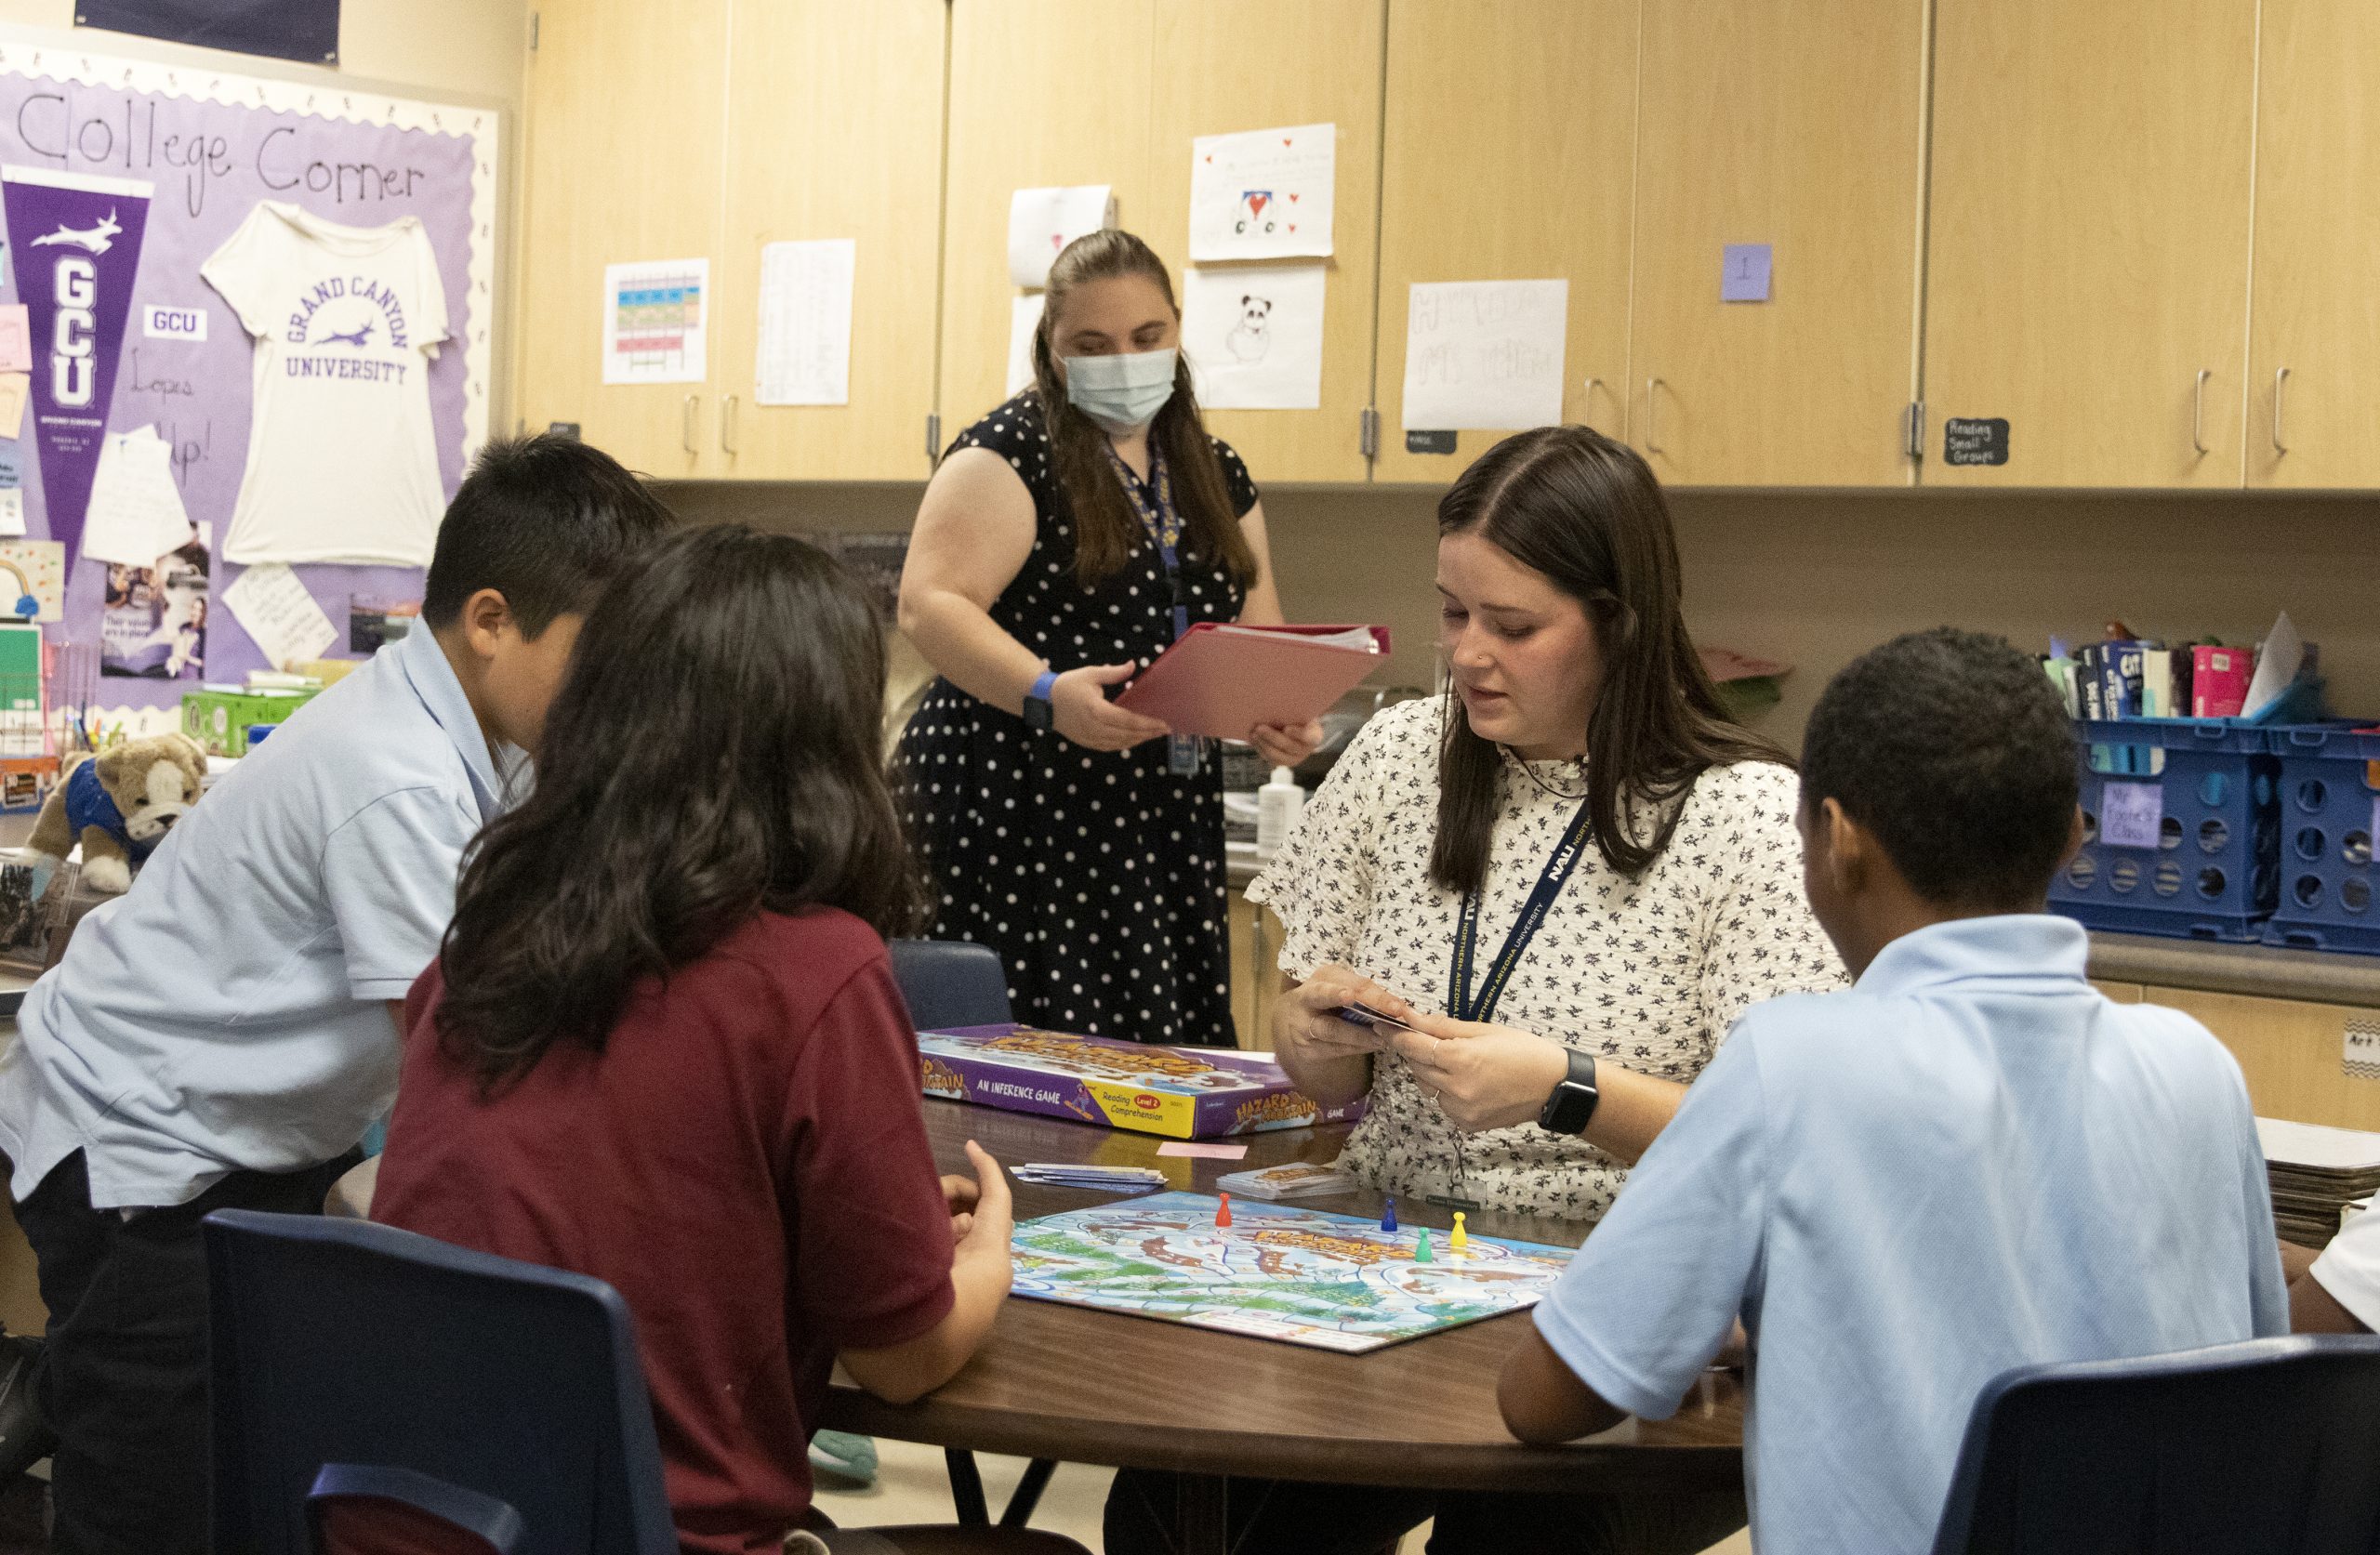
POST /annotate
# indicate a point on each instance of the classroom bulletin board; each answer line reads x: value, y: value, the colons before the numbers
x: 212, y: 144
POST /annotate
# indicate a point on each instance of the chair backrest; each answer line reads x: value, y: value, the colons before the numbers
x: 2271, y: 1446
x: 342, y: 1343
x: 951, y: 982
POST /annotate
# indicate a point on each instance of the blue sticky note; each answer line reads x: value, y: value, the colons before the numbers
x: 2132, y: 814
x: 1743, y: 274
x: 12, y: 469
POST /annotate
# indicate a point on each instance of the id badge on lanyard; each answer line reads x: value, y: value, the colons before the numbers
x: 1182, y: 752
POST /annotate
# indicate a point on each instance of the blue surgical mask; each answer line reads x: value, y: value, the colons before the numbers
x: 1122, y: 393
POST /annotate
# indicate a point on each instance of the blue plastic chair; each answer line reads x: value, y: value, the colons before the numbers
x: 951, y: 982
x: 354, y: 1360
x: 2270, y: 1445
x: 946, y: 984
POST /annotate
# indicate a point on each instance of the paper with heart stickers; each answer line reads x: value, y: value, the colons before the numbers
x: 1264, y: 194
x: 1042, y: 221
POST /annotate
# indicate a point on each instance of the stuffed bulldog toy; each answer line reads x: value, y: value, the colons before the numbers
x: 119, y: 805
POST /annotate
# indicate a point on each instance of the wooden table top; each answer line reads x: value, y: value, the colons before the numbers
x: 1082, y: 1386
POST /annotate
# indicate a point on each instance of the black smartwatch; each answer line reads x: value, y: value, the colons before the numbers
x: 1569, y: 1110
x: 1039, y: 713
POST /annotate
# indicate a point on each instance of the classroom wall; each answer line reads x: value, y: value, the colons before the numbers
x: 1816, y: 578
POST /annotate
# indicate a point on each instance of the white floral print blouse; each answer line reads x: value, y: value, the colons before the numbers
x: 1648, y: 974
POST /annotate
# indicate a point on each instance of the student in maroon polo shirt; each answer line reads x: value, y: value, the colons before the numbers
x: 662, y: 1044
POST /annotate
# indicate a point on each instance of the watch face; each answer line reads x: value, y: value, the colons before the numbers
x: 1037, y: 713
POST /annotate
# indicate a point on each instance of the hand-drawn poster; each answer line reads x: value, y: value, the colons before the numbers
x: 1253, y: 334
x: 1264, y: 194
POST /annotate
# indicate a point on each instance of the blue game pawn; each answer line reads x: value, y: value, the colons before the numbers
x: 1388, y: 1216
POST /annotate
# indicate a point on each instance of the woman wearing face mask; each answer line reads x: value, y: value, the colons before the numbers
x: 1570, y: 876
x: 1066, y: 540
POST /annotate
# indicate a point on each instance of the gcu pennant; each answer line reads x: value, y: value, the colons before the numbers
x: 76, y: 239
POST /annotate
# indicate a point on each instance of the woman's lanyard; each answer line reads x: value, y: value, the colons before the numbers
x: 1459, y: 1003
x: 1154, y: 503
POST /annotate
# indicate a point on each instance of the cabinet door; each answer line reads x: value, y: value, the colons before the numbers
x: 2314, y: 340
x: 835, y: 131
x: 2087, y: 256
x: 1750, y: 132
x: 618, y: 169
x: 1320, y: 63
x: 1042, y: 93
x: 1508, y: 154
x: 2292, y: 1053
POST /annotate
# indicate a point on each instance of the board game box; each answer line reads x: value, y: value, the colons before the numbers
x: 1187, y: 1093
x: 1307, y: 1276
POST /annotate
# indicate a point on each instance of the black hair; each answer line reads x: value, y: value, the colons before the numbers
x: 1953, y: 750
x: 1587, y: 513
x: 1105, y: 530
x: 711, y: 755
x: 545, y: 521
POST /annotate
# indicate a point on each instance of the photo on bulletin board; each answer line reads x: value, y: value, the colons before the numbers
x: 292, y: 284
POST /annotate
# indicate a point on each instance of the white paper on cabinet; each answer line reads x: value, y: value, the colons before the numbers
x: 1262, y: 194
x: 1024, y: 318
x: 272, y: 606
x: 805, y: 350
x: 657, y: 317
x: 1253, y: 334
x: 1485, y: 355
x: 1042, y: 221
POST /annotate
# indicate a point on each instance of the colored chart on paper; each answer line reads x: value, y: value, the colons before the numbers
x: 654, y: 322
x: 1332, y: 1282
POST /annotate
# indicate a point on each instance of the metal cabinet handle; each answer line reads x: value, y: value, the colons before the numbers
x: 686, y: 425
x: 2198, y: 410
x: 2279, y: 378
x: 1652, y: 412
x: 727, y: 425
x: 1587, y: 407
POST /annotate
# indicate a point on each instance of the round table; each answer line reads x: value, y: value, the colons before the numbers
x: 1074, y: 1385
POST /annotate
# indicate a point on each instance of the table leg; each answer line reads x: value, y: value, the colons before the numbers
x: 966, y: 1489
x: 1200, y: 1525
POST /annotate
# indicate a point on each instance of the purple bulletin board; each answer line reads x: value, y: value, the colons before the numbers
x: 213, y: 144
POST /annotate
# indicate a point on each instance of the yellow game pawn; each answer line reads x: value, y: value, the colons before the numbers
x: 1459, y: 1243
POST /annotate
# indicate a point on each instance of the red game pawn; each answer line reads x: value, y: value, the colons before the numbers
x: 1222, y: 1211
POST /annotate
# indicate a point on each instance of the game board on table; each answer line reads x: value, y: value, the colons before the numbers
x: 1334, y: 1282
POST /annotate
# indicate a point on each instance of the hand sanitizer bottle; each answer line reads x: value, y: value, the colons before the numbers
x: 1277, y: 810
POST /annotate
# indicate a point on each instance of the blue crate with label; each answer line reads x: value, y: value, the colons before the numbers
x: 2180, y: 829
x: 2328, y: 807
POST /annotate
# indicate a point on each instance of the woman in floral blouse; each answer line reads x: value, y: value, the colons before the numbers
x: 1623, y: 856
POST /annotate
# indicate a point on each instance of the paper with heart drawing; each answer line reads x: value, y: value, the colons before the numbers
x: 1041, y: 221
x: 1262, y: 194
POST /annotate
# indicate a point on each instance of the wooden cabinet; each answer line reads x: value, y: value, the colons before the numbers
x: 1797, y: 124
x: 618, y: 169
x: 2291, y: 1052
x: 2088, y: 241
x: 1508, y: 155
x: 1255, y: 970
x: 1320, y: 63
x: 1042, y: 93
x: 834, y: 115
x: 2314, y: 336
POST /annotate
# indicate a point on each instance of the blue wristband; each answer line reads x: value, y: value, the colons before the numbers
x: 1043, y: 687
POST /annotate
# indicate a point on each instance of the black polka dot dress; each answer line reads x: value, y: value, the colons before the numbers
x: 1097, y: 875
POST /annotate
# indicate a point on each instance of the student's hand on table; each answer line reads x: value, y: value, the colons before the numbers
x: 991, y: 1223
x: 1285, y: 744
x: 1079, y: 708
x: 960, y: 1193
x: 1304, y: 1018
x: 1482, y: 1077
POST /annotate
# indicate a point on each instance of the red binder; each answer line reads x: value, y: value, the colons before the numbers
x: 1222, y: 681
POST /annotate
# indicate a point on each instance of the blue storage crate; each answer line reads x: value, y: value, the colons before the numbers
x: 2326, y: 815
x: 2215, y: 872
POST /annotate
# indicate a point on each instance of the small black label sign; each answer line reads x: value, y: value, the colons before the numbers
x: 1970, y: 442
x: 562, y: 430
x: 1429, y: 443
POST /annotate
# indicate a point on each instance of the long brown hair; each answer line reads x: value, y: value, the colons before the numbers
x: 711, y: 755
x: 1587, y: 513
x: 1106, y: 531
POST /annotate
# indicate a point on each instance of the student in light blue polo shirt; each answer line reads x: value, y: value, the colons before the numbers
x: 223, y: 1033
x: 1969, y: 1161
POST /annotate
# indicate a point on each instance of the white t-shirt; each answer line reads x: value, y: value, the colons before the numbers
x: 342, y: 461
x: 2349, y: 1268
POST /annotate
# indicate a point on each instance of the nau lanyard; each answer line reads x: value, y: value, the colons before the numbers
x: 1154, y: 503
x: 1541, y: 901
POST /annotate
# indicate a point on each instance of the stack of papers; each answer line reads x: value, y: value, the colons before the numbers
x: 1097, y: 1179
x: 2316, y: 1172
x: 1296, y: 1179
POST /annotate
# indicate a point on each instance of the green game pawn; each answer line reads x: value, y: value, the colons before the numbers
x: 1422, y: 1248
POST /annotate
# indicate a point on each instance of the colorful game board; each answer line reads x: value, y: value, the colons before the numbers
x: 1334, y: 1282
